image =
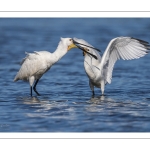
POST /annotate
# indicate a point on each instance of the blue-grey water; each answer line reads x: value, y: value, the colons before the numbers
x: 66, y: 103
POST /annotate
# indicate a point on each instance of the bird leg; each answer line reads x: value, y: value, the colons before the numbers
x: 102, y: 87
x: 93, y: 93
x: 34, y: 87
x: 31, y: 90
x: 92, y: 88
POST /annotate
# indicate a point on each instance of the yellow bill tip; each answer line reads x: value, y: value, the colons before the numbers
x: 71, y: 46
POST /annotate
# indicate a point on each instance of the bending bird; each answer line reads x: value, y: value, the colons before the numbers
x: 34, y: 65
x: 99, y: 71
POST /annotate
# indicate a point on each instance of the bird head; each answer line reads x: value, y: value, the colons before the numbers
x: 71, y: 43
x: 68, y: 42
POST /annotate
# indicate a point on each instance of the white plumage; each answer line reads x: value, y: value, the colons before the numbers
x: 34, y: 65
x: 100, y: 71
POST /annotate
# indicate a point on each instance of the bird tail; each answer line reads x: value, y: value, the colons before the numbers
x: 16, y: 78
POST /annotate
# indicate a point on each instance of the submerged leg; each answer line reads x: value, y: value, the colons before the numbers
x: 92, y: 88
x: 31, y: 81
x: 93, y: 93
x: 34, y: 87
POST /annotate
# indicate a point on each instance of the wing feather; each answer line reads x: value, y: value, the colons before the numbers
x: 125, y: 48
x: 33, y: 63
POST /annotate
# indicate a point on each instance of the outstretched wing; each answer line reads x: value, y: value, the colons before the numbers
x: 125, y: 48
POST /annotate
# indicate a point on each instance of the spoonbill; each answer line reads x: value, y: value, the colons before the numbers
x: 34, y: 65
x: 99, y: 71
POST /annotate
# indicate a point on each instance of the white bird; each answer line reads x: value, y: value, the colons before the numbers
x: 34, y: 65
x: 100, y: 70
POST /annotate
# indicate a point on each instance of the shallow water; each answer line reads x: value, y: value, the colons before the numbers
x: 66, y: 104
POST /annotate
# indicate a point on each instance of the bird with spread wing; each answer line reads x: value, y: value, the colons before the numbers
x: 99, y: 70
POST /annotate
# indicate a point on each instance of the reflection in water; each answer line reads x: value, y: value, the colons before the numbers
x: 98, y: 104
x: 44, y: 108
x: 30, y: 100
x: 116, y: 107
x: 100, y: 99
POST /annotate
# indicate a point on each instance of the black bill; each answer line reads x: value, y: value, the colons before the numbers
x: 82, y: 48
x: 75, y: 42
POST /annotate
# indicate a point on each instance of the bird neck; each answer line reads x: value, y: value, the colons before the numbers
x: 60, y: 51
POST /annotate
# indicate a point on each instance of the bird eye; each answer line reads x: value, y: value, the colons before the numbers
x: 70, y: 39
